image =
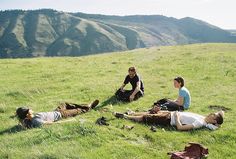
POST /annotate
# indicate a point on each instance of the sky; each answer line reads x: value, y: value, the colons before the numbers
x: 221, y: 13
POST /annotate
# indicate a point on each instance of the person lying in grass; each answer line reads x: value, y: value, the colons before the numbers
x: 182, y: 120
x: 182, y: 102
x: 137, y: 87
x: 28, y: 120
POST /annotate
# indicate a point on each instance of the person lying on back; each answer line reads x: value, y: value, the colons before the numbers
x: 182, y: 120
x: 28, y: 119
x: 137, y: 87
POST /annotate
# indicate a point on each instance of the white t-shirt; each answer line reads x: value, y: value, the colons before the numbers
x: 187, y: 118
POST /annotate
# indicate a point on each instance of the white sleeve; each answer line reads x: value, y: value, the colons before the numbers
x: 211, y: 127
x: 197, y: 124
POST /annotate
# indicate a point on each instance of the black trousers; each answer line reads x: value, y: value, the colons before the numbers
x: 124, y: 96
x: 169, y: 105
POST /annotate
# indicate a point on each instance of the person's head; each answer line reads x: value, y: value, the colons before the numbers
x: 132, y: 72
x: 23, y: 113
x: 178, y: 82
x: 215, y: 118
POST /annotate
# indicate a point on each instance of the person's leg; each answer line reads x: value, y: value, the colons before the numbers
x: 62, y: 106
x: 172, y: 106
x: 134, y: 118
x: 138, y: 95
x: 71, y: 110
x: 86, y: 106
x: 123, y: 95
x: 160, y: 118
x: 139, y: 113
x: 126, y: 95
x: 65, y: 113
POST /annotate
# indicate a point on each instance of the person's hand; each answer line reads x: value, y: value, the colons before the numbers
x: 122, y: 90
x: 131, y: 98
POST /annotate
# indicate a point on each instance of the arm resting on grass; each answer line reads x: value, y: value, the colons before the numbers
x: 58, y: 122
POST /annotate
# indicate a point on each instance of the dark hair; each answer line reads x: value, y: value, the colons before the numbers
x: 180, y: 80
x: 22, y: 112
x: 219, y: 119
x: 132, y: 69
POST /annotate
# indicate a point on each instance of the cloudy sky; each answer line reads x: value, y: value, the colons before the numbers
x: 221, y: 13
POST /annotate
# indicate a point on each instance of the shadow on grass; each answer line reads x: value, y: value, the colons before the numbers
x: 110, y: 101
x: 14, y: 129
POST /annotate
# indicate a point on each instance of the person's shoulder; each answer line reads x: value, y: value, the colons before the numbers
x: 138, y: 76
x: 184, y: 90
x: 127, y: 76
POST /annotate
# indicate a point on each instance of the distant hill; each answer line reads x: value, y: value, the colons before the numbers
x: 51, y: 33
x: 233, y: 32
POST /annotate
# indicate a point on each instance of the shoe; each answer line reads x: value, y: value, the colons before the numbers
x: 127, y: 127
x: 118, y: 115
x: 153, y: 129
x: 129, y: 112
x: 102, y: 121
x: 94, y: 103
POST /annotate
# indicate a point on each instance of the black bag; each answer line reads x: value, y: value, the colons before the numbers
x: 166, y: 104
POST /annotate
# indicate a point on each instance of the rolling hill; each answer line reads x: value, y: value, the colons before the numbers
x: 52, y: 33
x: 42, y: 83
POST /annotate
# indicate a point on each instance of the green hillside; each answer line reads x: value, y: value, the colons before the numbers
x: 48, y: 32
x: 41, y: 83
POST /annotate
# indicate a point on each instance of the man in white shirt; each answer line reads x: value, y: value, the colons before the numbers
x: 182, y: 120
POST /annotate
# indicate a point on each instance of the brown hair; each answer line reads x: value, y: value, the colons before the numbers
x: 132, y: 69
x: 219, y: 119
x: 180, y: 80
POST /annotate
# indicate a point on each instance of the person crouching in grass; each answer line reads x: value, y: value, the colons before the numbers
x: 28, y: 120
x: 137, y: 87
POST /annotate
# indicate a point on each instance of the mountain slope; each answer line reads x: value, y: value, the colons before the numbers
x: 53, y: 33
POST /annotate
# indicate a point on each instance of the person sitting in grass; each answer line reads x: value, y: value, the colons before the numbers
x: 182, y: 102
x: 137, y: 87
x: 182, y: 120
x: 28, y: 120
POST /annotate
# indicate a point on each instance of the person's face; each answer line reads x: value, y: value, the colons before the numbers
x: 131, y: 74
x: 30, y: 114
x: 177, y: 84
x: 211, y: 118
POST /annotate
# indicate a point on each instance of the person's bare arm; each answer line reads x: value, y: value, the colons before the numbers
x: 179, y: 101
x: 179, y: 124
x: 58, y: 122
x: 122, y: 87
x: 137, y: 89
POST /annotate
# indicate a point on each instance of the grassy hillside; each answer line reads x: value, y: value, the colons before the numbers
x: 48, y: 32
x: 41, y: 83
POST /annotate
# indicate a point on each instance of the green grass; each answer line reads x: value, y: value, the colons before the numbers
x: 41, y: 83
